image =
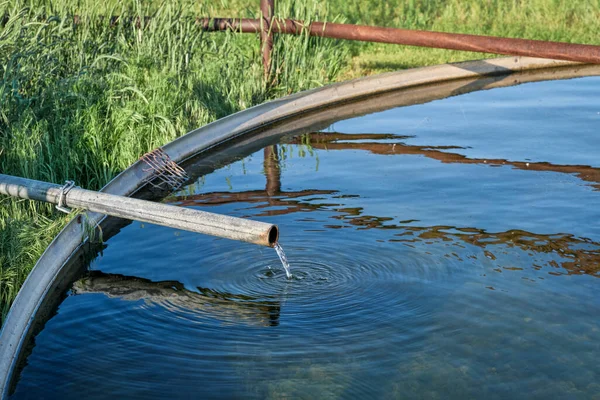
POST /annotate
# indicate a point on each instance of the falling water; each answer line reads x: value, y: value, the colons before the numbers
x: 283, y: 259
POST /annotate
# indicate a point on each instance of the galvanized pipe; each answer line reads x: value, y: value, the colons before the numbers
x: 188, y: 219
x: 453, y: 41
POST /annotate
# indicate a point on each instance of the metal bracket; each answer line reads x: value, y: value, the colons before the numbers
x: 62, y: 206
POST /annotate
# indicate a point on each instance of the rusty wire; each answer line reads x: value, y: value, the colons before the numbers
x: 164, y: 169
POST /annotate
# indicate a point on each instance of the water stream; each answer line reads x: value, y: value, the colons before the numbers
x: 283, y: 259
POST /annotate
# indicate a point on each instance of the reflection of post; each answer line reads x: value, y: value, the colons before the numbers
x: 272, y: 170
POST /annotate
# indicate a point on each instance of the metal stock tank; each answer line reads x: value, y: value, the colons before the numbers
x: 203, y: 150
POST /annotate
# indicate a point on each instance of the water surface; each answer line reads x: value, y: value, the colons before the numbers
x: 443, y: 250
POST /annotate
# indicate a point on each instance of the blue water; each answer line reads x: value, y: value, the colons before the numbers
x: 442, y: 250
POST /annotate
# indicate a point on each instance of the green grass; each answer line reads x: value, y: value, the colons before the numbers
x: 83, y: 102
x: 556, y: 20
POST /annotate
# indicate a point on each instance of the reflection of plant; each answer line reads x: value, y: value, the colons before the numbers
x: 303, y: 149
x: 305, y: 146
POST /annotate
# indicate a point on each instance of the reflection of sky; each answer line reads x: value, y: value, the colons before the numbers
x: 554, y: 122
x: 422, y: 311
x: 532, y: 122
x: 414, y: 187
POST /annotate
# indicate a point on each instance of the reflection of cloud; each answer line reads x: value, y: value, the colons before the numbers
x: 172, y: 295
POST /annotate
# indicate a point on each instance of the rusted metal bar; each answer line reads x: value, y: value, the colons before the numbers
x: 268, y: 25
x: 453, y: 41
x: 266, y: 34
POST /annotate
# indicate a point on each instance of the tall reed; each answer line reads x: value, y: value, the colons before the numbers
x: 82, y: 102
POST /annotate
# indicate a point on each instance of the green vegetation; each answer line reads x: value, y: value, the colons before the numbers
x: 575, y: 22
x: 83, y: 102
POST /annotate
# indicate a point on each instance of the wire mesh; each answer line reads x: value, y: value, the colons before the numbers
x: 165, y: 170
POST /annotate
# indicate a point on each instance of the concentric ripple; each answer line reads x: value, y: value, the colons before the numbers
x: 417, y: 271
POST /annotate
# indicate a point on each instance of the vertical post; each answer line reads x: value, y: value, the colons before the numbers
x: 266, y: 34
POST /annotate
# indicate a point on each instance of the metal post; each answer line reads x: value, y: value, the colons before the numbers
x: 266, y: 34
x: 224, y: 226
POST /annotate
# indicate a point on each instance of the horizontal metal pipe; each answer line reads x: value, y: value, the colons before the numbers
x: 242, y: 25
x: 453, y: 41
x: 188, y: 219
x: 585, y: 53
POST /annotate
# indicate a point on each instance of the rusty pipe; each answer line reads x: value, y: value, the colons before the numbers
x: 266, y: 34
x: 241, y: 25
x: 453, y: 41
x: 585, y: 53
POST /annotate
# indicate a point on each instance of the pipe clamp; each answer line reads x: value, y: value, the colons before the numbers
x: 62, y: 206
